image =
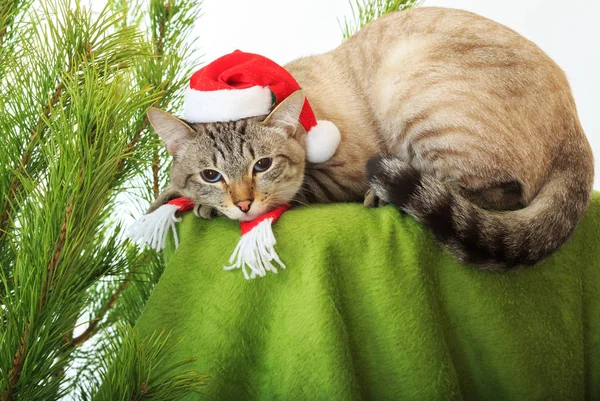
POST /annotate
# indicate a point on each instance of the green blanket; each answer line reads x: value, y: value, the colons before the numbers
x: 370, y: 307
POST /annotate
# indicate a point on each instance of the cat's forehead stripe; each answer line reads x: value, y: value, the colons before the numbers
x: 239, y: 146
x: 217, y: 149
x: 251, y: 150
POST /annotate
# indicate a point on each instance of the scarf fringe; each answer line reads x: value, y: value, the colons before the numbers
x: 255, y: 252
x: 152, y: 229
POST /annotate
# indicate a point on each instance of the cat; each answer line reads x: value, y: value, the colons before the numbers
x: 453, y: 118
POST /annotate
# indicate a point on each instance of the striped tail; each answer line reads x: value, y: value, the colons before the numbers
x: 489, y: 239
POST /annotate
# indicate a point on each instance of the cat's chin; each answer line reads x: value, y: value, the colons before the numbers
x: 248, y: 217
x: 251, y: 215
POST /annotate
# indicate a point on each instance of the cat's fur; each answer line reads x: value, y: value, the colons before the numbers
x: 470, y: 128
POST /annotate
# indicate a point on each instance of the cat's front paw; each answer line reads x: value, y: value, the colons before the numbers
x: 372, y: 200
x: 205, y: 212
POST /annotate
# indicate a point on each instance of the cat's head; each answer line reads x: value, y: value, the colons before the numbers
x: 242, y: 168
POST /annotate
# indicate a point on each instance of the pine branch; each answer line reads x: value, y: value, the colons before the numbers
x: 60, y: 243
x: 93, y: 327
x: 155, y: 178
x: 20, y: 355
x: 96, y: 324
x: 131, y: 145
x: 365, y: 11
x: 18, y: 361
x: 161, y: 35
x: 48, y: 288
x: 5, y: 22
x: 159, y: 54
x: 21, y: 166
x: 143, y: 369
x: 9, y: 11
x: 61, y: 179
x: 138, y: 135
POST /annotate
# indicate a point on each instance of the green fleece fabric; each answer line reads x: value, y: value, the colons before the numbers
x: 370, y: 307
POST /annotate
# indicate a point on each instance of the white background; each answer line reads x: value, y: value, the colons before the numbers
x: 569, y: 31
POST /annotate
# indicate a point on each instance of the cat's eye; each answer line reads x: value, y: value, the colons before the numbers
x: 263, y: 164
x: 211, y: 176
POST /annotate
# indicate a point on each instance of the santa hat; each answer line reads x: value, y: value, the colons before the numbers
x: 241, y: 85
x: 254, y: 254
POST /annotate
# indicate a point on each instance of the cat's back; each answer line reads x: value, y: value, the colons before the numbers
x: 446, y: 23
x: 439, y: 34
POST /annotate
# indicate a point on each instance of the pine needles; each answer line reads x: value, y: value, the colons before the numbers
x: 365, y: 11
x: 141, y: 370
x: 74, y: 89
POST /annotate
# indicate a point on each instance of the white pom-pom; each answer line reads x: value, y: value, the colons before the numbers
x: 256, y: 251
x: 322, y: 141
x: 152, y: 229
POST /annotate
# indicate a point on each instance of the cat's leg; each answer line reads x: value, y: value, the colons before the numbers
x: 503, y: 196
x: 169, y: 193
x: 372, y: 200
x: 205, y: 212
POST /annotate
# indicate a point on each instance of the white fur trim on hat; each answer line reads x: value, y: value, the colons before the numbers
x: 322, y: 141
x: 226, y: 104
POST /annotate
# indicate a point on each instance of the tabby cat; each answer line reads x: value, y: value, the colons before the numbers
x: 460, y: 122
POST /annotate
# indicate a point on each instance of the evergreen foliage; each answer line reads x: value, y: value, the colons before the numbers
x: 365, y: 11
x: 142, y: 370
x: 74, y: 89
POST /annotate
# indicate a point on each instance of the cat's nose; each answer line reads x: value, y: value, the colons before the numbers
x: 244, y: 205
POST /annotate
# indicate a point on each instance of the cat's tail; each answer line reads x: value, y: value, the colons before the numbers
x: 489, y: 239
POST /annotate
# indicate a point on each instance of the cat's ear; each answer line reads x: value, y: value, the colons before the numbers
x: 287, y: 112
x: 171, y: 129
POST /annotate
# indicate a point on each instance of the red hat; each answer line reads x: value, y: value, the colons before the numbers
x: 241, y: 85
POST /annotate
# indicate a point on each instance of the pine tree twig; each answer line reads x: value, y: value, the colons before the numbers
x: 61, y: 239
x: 45, y: 339
x: 4, y: 27
x: 19, y: 358
x: 24, y: 161
x: 2, y: 34
x: 155, y: 177
x: 18, y: 362
x: 159, y: 54
x: 60, y: 243
x: 161, y: 33
x: 92, y: 328
x: 131, y: 145
x: 143, y: 391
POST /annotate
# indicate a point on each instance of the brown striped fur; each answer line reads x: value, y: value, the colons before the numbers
x: 473, y: 120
